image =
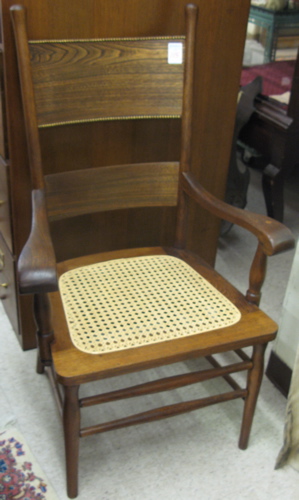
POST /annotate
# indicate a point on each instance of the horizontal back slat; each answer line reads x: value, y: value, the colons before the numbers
x: 111, y: 188
x: 79, y: 81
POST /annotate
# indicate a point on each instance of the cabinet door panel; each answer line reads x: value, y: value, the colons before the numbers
x: 5, y: 223
x: 7, y: 284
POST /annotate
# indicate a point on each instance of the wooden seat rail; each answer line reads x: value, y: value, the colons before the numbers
x: 164, y: 412
x: 166, y: 384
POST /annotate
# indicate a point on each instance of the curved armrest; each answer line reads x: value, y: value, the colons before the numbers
x: 37, y: 262
x: 273, y: 236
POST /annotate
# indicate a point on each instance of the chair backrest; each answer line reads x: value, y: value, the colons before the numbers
x: 79, y: 81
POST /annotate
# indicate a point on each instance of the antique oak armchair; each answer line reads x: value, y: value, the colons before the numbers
x: 130, y: 310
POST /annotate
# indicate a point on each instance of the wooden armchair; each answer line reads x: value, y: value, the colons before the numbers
x: 133, y: 309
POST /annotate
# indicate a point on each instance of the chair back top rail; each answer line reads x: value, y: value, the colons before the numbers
x: 82, y: 81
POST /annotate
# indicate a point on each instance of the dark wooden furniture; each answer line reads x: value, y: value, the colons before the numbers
x: 238, y: 177
x: 273, y: 131
x: 96, y: 330
x: 219, y: 43
x: 282, y: 23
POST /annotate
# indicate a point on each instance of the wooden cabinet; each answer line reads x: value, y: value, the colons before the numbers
x: 219, y: 49
x: 5, y: 221
x: 8, y: 294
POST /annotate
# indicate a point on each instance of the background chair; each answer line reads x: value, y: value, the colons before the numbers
x: 96, y: 329
x: 238, y: 177
x: 273, y: 127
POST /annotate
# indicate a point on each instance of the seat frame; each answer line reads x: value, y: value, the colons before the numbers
x: 38, y: 272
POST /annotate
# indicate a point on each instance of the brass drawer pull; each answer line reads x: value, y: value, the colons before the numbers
x: 1, y: 260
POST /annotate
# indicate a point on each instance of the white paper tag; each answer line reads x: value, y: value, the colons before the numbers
x: 175, y: 53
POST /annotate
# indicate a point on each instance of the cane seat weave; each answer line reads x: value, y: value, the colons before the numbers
x: 132, y: 302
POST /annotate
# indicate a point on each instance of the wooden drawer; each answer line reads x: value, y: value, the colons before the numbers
x: 5, y: 226
x: 7, y: 284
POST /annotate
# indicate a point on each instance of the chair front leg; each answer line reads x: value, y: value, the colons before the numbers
x: 255, y: 376
x: 71, y: 424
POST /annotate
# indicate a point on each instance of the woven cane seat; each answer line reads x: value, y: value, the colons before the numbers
x: 132, y: 302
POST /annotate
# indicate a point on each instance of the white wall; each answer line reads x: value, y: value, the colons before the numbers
x: 287, y: 340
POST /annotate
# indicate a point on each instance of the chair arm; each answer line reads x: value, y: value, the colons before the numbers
x: 273, y: 236
x: 37, y: 262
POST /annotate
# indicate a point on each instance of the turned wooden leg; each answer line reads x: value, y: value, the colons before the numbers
x: 257, y: 276
x: 42, y: 316
x: 255, y: 376
x: 273, y: 182
x: 71, y: 424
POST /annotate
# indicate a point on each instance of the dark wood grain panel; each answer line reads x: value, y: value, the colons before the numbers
x: 103, y: 189
x: 103, y: 231
x: 122, y: 79
x: 5, y: 222
x: 3, y: 131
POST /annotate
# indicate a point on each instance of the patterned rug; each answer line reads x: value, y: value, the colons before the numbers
x: 277, y: 76
x: 20, y: 476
